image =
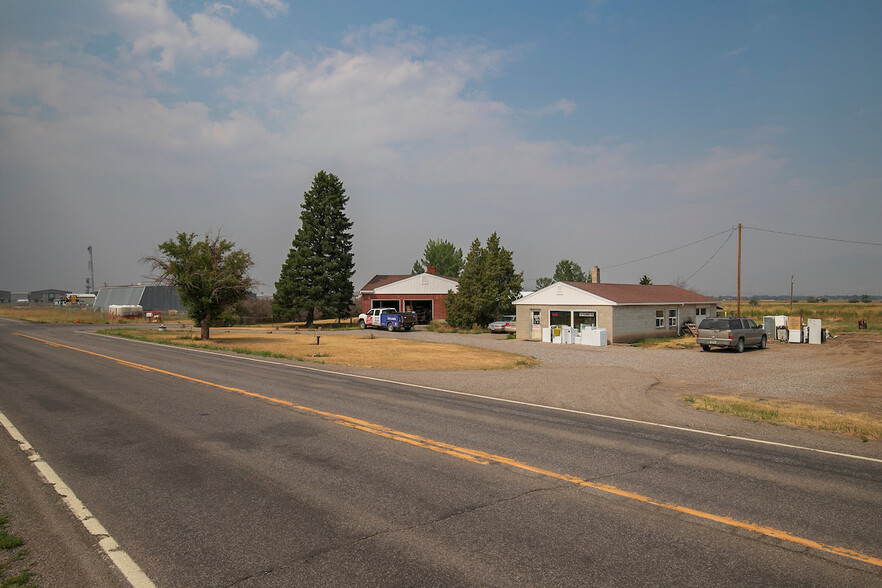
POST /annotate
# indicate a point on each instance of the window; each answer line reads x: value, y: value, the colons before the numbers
x: 560, y: 317
x: 672, y: 318
x: 586, y: 318
x: 659, y: 319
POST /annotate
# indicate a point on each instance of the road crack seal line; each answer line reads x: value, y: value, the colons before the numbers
x: 484, y: 458
x: 435, y: 521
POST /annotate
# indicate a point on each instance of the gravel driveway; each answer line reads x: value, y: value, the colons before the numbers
x: 648, y: 384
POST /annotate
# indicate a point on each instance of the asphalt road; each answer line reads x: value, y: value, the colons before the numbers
x: 211, y: 470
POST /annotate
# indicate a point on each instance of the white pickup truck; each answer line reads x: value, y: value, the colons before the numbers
x: 387, y: 318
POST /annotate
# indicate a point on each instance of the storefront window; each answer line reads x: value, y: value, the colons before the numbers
x: 586, y: 318
x: 573, y: 318
x: 560, y: 317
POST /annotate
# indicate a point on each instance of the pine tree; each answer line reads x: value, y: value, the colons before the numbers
x: 317, y: 274
x: 488, y: 285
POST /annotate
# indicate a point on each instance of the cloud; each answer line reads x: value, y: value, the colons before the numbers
x: 562, y: 106
x: 269, y: 8
x: 92, y: 150
x: 154, y: 27
x: 735, y: 52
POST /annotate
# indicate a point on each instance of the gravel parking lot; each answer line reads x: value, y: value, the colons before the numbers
x: 648, y: 384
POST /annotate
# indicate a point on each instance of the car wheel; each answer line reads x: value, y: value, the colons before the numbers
x: 763, y: 342
x: 390, y: 327
x: 362, y: 324
x: 739, y: 347
x: 705, y: 347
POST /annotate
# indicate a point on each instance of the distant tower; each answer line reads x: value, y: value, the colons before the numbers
x: 90, y: 281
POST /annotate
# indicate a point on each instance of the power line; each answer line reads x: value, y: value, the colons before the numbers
x: 670, y: 250
x: 814, y: 237
x: 732, y: 232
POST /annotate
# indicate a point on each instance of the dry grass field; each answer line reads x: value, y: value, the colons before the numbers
x: 838, y: 317
x: 52, y: 314
x: 356, y: 349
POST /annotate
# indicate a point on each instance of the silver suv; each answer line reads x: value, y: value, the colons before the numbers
x: 736, y: 333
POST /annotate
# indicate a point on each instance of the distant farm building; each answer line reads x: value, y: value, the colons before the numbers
x: 46, y: 296
x: 150, y: 298
x: 5, y: 296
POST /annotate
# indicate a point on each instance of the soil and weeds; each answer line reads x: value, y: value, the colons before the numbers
x: 14, y: 564
x: 364, y: 350
x: 686, y: 342
x: 860, y: 425
x: 443, y: 327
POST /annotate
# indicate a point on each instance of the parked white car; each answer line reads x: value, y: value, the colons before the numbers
x: 505, y: 324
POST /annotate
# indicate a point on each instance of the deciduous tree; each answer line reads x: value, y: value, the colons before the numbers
x: 443, y: 255
x: 565, y: 271
x: 317, y: 274
x: 210, y: 274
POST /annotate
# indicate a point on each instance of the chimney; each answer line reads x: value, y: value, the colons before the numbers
x: 595, y: 275
x: 430, y: 269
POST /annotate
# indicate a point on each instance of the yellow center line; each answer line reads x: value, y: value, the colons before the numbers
x: 483, y: 458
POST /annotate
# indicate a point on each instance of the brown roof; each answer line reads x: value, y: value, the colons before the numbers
x: 385, y: 279
x: 642, y: 294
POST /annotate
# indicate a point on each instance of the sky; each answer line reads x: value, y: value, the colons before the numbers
x: 633, y: 136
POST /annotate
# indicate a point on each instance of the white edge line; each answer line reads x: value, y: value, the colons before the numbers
x: 120, y: 558
x: 493, y: 398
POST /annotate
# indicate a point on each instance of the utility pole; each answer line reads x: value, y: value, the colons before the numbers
x: 791, y: 293
x: 90, y: 286
x: 739, y: 270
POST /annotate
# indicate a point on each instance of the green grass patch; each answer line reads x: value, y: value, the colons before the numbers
x: 188, y: 341
x: 12, y: 556
x: 859, y: 425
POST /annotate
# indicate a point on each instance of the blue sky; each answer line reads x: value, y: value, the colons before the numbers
x: 601, y: 132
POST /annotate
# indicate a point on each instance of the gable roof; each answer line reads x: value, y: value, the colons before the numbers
x: 613, y: 294
x: 381, y: 280
x: 641, y: 294
x: 424, y: 283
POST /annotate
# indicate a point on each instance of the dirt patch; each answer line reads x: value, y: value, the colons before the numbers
x: 860, y: 353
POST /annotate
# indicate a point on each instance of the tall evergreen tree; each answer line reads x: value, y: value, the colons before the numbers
x: 488, y: 285
x: 317, y: 275
x: 443, y: 255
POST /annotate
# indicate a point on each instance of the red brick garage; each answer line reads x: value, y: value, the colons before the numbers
x: 423, y: 293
